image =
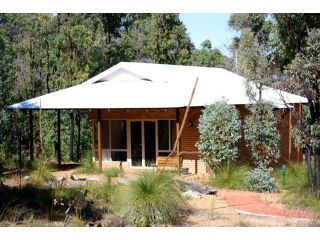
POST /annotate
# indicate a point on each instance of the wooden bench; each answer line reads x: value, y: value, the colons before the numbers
x: 171, y: 162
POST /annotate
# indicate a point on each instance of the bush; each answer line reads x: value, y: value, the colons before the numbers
x: 87, y: 165
x: 260, y: 180
x: 155, y: 198
x: 41, y: 173
x: 113, y: 172
x: 232, y: 177
x: 262, y: 135
x: 219, y: 128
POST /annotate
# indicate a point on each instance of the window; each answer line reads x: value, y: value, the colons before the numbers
x: 166, y: 136
x: 114, y: 140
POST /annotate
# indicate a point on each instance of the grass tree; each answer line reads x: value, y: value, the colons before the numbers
x: 219, y: 128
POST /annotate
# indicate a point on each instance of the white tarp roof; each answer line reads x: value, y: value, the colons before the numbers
x: 146, y: 85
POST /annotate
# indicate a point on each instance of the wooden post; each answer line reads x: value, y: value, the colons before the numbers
x: 299, y: 153
x: 177, y: 130
x: 93, y: 145
x: 59, y: 137
x: 289, y: 134
x: 31, y: 135
x: 99, y: 140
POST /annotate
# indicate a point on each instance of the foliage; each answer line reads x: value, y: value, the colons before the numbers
x: 298, y: 189
x: 260, y: 180
x: 88, y: 165
x: 156, y: 198
x: 113, y: 172
x: 219, y: 128
x: 232, y: 176
x: 41, y: 173
x: 261, y: 134
x: 207, y: 57
x: 253, y: 64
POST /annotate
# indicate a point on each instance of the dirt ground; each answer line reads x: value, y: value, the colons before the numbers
x: 216, y: 210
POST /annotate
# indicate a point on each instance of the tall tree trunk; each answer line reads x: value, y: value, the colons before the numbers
x: 31, y: 135
x: 71, y: 155
x: 308, y: 158
x: 58, y: 144
x: 78, y: 121
x: 316, y: 167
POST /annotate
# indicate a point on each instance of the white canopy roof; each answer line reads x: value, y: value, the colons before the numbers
x: 146, y: 85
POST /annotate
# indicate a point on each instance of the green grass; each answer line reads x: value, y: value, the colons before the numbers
x: 232, y: 177
x: 88, y: 166
x: 156, y: 198
x: 41, y: 173
x: 298, y: 192
x: 113, y: 172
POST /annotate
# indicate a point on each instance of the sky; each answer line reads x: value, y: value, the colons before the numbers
x: 212, y: 26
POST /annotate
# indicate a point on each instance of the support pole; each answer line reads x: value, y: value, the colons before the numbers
x: 289, y: 134
x: 93, y: 145
x: 299, y: 153
x: 31, y: 152
x: 177, y: 131
x: 99, y: 140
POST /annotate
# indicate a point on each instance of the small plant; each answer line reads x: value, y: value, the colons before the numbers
x: 156, y: 198
x: 231, y: 177
x: 113, y: 172
x: 219, y: 128
x: 41, y: 173
x: 260, y: 180
x: 76, y: 221
x: 88, y: 166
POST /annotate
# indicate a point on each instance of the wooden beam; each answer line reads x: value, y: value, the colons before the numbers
x: 177, y: 130
x: 299, y: 152
x: 289, y: 134
x: 58, y: 137
x: 99, y: 141
x: 93, y: 144
x: 31, y: 152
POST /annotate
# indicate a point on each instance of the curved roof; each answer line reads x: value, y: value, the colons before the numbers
x: 147, y: 85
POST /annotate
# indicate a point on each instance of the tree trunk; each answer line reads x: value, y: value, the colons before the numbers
x: 308, y: 158
x: 71, y: 155
x: 316, y: 167
x: 58, y: 145
x: 78, y: 121
x: 31, y: 135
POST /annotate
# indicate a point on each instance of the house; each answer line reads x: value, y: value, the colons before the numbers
x: 136, y: 110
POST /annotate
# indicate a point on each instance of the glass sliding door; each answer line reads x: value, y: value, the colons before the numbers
x: 150, y: 142
x: 136, y: 143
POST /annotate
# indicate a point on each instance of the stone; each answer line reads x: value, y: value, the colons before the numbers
x: 192, y: 194
x: 26, y: 178
x: 124, y: 181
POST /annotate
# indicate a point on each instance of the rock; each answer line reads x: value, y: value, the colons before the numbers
x: 124, y: 181
x: 76, y: 178
x: 192, y: 194
x: 60, y: 179
x: 198, y: 187
x: 26, y: 178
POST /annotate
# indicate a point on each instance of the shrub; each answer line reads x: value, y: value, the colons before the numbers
x: 232, y: 177
x: 156, y: 198
x: 87, y: 165
x: 260, y: 180
x: 261, y: 134
x: 113, y: 172
x: 219, y: 128
x: 41, y: 173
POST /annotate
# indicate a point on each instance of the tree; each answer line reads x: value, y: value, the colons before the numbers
x: 156, y: 38
x: 207, y: 57
x: 219, y: 128
x: 305, y: 69
x: 253, y: 64
x: 261, y: 134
